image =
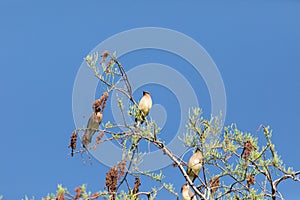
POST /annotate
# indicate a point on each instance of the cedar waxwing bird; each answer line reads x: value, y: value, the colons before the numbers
x: 144, y: 108
x: 195, y: 164
x: 186, y: 193
x: 93, y: 124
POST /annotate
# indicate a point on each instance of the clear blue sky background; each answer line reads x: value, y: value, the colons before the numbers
x: 256, y: 47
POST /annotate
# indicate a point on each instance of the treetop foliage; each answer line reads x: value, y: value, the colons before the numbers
x: 236, y: 164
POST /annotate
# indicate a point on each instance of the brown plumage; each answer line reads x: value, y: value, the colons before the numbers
x: 144, y: 108
x: 186, y: 193
x: 195, y: 164
x: 93, y: 124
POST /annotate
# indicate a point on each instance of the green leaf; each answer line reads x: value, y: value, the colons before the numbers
x: 115, y: 55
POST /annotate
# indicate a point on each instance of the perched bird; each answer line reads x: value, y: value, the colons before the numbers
x: 144, y: 108
x: 93, y: 125
x: 186, y: 193
x: 195, y: 164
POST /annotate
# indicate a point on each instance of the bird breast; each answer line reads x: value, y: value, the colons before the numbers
x: 197, y: 164
x: 95, y: 120
x: 185, y: 195
x: 145, y: 104
x: 99, y: 116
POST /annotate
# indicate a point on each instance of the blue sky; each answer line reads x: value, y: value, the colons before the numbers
x: 255, y: 46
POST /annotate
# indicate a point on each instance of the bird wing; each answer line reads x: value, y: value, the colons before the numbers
x: 192, y: 195
x: 145, y: 105
x: 194, y: 165
x: 93, y: 124
x: 190, y: 173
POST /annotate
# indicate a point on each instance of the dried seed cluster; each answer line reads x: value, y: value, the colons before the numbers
x: 214, y: 184
x: 78, y: 193
x: 98, y: 139
x: 112, y: 177
x: 137, y: 184
x: 73, y: 142
x: 104, y: 56
x: 247, y: 150
x: 100, y: 103
x: 111, y: 181
x: 122, y: 167
x: 250, y: 180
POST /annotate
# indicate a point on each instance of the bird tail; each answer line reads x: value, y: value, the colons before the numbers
x: 193, y: 179
x: 87, y: 138
x: 191, y: 175
x: 139, y: 120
